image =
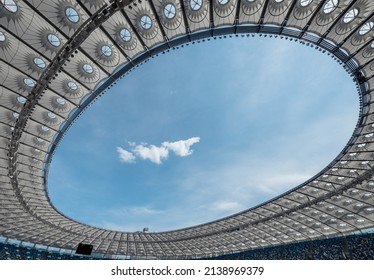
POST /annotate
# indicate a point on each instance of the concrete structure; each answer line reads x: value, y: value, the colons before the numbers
x: 58, y: 56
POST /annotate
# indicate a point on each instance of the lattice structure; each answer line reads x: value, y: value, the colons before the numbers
x: 58, y: 56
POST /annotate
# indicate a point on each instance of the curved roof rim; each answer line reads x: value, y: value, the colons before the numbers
x: 139, y: 59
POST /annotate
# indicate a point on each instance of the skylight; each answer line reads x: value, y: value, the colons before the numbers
x: 169, y: 11
x: 330, y: 6
x: 196, y: 4
x: 87, y: 68
x: 125, y: 35
x: 350, y: 15
x: 146, y: 22
x: 10, y: 5
x: 72, y: 14
x: 106, y: 50
x: 39, y: 62
x: 53, y: 40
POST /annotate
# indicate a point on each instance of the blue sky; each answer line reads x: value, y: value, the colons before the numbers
x: 203, y: 132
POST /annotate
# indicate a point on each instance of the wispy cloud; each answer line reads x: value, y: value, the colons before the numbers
x: 157, y: 154
x: 230, y: 206
x: 131, y: 218
x: 181, y: 148
x: 132, y: 211
x: 125, y: 156
x: 152, y: 153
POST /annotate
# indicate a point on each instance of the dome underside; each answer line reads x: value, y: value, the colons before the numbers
x: 57, y: 56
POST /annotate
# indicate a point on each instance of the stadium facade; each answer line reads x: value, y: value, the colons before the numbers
x: 58, y: 56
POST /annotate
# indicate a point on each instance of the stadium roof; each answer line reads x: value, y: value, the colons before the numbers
x: 58, y: 56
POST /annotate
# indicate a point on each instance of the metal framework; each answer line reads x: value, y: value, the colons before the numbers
x: 58, y: 56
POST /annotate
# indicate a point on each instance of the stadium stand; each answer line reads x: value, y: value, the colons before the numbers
x: 353, y: 247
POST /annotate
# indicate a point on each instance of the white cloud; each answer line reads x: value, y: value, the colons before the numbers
x: 156, y: 154
x: 227, y: 206
x: 182, y: 148
x: 144, y: 210
x: 152, y: 153
x: 131, y: 144
x: 133, y: 211
x: 132, y: 218
x: 125, y: 156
